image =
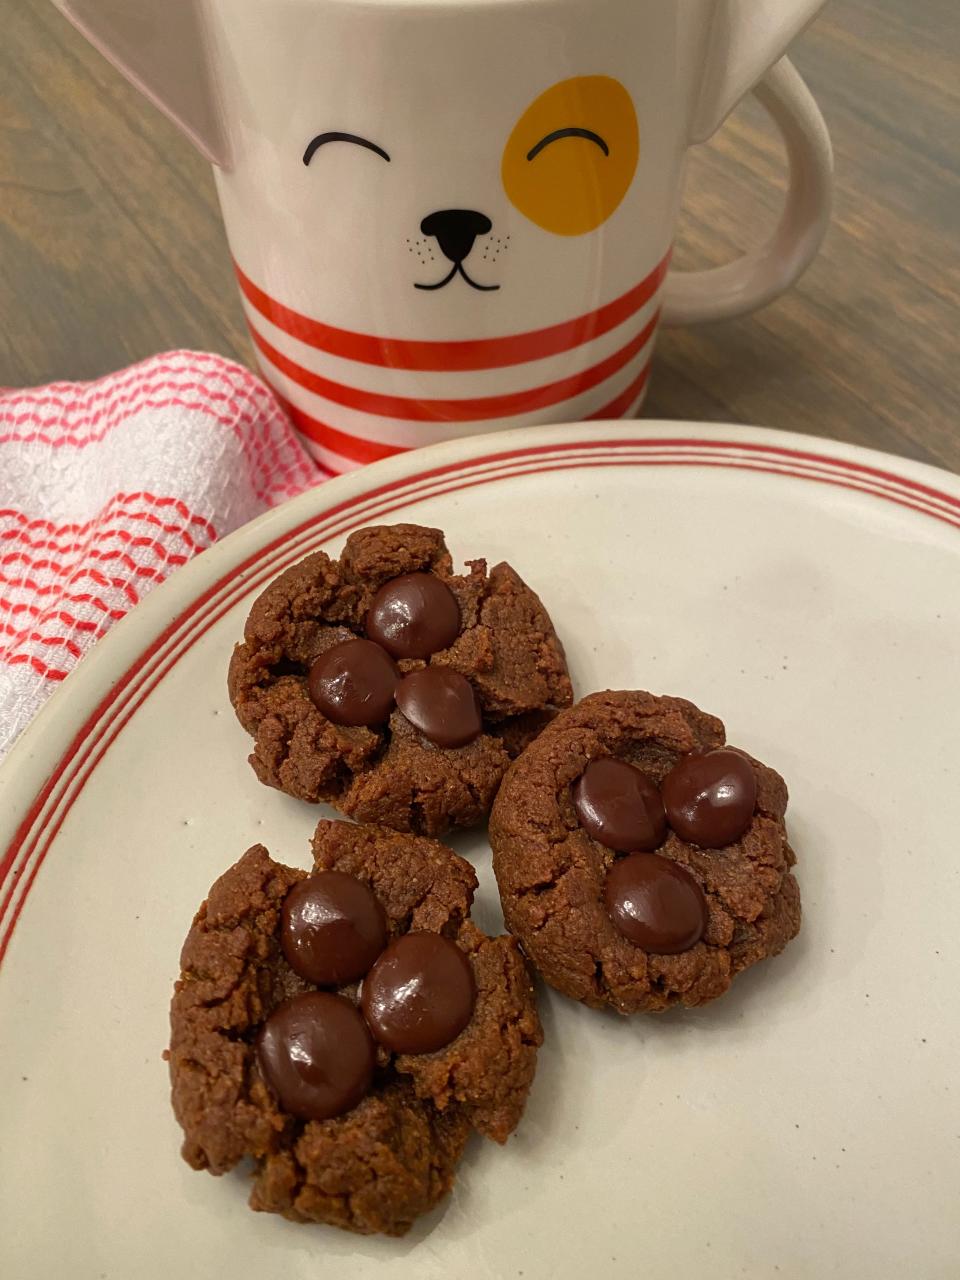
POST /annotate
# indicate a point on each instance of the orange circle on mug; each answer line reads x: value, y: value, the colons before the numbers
x: 572, y: 155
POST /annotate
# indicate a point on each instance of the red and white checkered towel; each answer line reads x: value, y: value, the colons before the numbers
x: 107, y: 486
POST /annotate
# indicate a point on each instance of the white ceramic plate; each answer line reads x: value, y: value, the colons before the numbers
x: 808, y: 1125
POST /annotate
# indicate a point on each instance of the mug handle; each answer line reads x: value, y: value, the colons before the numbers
x: 759, y: 276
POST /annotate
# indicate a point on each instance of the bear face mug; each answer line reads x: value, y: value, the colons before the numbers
x: 456, y: 216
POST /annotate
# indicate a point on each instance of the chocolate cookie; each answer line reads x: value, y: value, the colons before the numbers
x: 391, y: 687
x: 355, y: 1102
x: 642, y: 863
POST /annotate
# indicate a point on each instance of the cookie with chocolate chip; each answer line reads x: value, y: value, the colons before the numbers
x: 643, y: 863
x: 348, y: 1029
x: 392, y: 687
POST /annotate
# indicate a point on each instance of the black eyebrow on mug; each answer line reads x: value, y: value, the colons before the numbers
x: 323, y: 138
x: 568, y: 133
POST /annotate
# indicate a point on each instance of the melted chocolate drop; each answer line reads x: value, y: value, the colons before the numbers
x: 317, y: 1055
x: 620, y: 806
x: 332, y: 928
x: 352, y: 683
x: 414, y: 616
x: 442, y: 704
x: 420, y: 993
x: 655, y: 903
x: 710, y: 797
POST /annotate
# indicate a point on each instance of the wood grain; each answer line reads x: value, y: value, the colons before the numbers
x: 111, y: 246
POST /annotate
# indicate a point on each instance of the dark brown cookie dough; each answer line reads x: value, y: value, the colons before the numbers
x: 551, y: 873
x: 393, y: 1157
x: 392, y: 774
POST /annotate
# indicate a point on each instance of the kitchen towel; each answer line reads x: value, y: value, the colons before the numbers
x: 107, y: 486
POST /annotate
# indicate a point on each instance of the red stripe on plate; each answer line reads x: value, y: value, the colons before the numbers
x: 476, y: 410
x: 455, y: 357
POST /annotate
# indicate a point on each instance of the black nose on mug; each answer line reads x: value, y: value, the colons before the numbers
x: 455, y: 230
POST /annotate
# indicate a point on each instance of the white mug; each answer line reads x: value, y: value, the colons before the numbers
x: 454, y: 216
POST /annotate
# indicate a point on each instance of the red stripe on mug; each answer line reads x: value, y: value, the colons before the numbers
x: 358, y: 449
x: 621, y: 403
x: 479, y: 409
x: 455, y: 357
x: 355, y: 448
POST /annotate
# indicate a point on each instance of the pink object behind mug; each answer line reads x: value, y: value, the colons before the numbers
x: 454, y: 216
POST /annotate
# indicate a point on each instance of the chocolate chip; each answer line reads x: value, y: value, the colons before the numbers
x: 420, y: 993
x: 710, y: 797
x: 353, y: 682
x: 442, y: 704
x: 332, y: 928
x: 317, y: 1055
x: 414, y: 616
x: 655, y: 903
x: 620, y: 806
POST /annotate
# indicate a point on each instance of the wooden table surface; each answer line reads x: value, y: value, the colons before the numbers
x: 111, y: 247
